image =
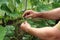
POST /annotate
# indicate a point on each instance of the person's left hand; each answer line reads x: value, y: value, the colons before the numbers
x: 25, y: 25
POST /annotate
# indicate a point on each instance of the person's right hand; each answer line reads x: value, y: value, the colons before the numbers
x: 30, y: 13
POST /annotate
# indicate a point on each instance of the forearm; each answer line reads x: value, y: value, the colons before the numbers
x: 37, y: 32
x: 31, y: 31
x: 49, y: 16
x: 52, y: 14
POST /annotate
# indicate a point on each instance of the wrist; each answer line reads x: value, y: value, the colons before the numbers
x: 27, y: 29
x: 38, y: 14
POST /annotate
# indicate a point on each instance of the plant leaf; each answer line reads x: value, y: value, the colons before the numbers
x: 2, y: 32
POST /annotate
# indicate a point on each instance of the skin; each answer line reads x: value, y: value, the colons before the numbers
x: 45, y: 33
x: 52, y: 14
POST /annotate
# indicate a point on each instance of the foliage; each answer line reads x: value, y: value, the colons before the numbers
x: 2, y: 32
x: 11, y: 17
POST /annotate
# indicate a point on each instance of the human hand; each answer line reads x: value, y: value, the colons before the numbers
x: 25, y: 25
x: 30, y: 13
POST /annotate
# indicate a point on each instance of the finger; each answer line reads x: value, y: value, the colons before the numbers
x: 25, y: 21
x: 28, y: 16
x: 26, y: 13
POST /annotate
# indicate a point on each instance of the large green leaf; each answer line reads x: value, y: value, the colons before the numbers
x: 10, y: 30
x: 2, y: 32
x: 13, y: 15
x: 3, y: 1
x: 18, y: 1
x: 5, y: 8
x: 12, y: 5
x: 2, y: 13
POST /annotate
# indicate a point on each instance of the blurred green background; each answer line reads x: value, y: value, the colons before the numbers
x: 11, y: 17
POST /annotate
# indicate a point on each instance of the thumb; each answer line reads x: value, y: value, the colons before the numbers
x: 25, y: 22
x: 28, y: 16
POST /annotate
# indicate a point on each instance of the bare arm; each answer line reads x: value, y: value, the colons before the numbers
x: 43, y: 33
x: 52, y: 14
x: 39, y: 32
